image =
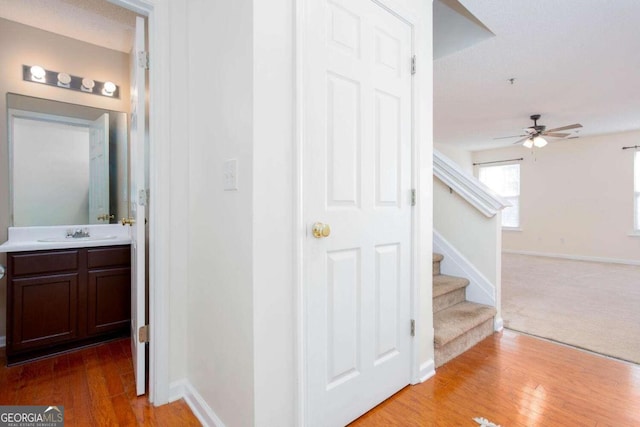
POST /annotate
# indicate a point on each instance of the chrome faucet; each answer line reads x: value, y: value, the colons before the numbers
x: 78, y: 233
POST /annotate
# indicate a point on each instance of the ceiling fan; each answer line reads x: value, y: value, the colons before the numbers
x: 533, y: 135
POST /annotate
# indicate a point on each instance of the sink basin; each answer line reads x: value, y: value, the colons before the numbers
x: 76, y: 239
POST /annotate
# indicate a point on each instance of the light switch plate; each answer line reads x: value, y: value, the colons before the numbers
x: 230, y: 177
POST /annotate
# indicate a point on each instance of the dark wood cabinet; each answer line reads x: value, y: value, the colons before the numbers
x: 66, y: 298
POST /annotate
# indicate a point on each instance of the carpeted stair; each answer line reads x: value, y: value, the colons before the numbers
x: 458, y: 323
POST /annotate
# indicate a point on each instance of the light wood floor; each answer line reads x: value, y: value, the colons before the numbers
x: 511, y: 379
x: 516, y: 380
x: 95, y: 385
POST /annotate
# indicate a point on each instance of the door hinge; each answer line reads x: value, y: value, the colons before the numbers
x: 143, y: 334
x: 413, y: 328
x: 143, y: 197
x: 143, y: 59
x: 413, y: 197
x: 413, y: 65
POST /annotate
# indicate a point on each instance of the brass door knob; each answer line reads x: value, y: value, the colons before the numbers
x: 320, y: 230
x: 127, y: 221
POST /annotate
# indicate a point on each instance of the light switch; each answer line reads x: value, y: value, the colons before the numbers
x: 230, y: 175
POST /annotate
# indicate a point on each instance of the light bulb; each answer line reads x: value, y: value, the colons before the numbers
x: 88, y: 84
x: 528, y: 143
x: 64, y: 78
x: 37, y: 72
x: 109, y: 88
x: 539, y: 141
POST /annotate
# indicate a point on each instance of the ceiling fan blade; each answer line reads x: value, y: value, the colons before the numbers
x: 520, y: 140
x: 573, y: 126
x: 512, y: 136
x: 556, y: 134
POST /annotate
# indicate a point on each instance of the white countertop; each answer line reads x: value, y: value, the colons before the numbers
x: 29, y: 238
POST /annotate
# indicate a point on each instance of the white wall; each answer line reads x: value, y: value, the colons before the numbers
x: 273, y: 208
x: 467, y: 229
x: 220, y: 290
x: 463, y: 158
x: 576, y: 197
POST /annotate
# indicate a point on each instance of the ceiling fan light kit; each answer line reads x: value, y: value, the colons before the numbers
x: 533, y: 136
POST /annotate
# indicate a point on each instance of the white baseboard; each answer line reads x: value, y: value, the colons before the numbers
x: 177, y: 390
x: 575, y: 257
x: 427, y: 370
x: 183, y: 389
x: 3, y: 341
x: 498, y: 324
x: 480, y: 289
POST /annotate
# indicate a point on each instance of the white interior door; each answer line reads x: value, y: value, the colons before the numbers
x: 99, y: 170
x: 357, y: 179
x: 137, y: 204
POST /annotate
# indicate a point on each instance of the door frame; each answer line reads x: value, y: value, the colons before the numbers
x: 300, y: 232
x: 157, y: 14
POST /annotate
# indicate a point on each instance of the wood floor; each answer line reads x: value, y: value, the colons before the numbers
x: 95, y: 385
x: 510, y: 379
x: 516, y: 380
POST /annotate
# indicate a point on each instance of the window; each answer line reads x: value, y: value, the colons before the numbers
x: 636, y: 188
x: 505, y: 180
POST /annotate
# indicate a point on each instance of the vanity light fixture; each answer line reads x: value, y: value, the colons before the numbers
x: 38, y: 74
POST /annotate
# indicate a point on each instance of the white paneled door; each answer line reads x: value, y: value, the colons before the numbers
x: 357, y: 167
x: 137, y: 204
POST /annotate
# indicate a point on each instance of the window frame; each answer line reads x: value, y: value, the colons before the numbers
x: 518, y: 198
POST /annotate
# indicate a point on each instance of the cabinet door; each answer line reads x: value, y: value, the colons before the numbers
x: 45, y: 310
x: 109, y: 300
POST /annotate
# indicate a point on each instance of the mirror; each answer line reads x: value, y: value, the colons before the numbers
x: 68, y: 163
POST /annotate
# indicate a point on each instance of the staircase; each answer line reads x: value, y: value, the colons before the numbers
x: 458, y: 323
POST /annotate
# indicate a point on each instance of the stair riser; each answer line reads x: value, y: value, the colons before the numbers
x: 463, y: 343
x: 436, y: 268
x: 447, y: 300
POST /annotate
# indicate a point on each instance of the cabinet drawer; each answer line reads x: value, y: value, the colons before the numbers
x: 114, y: 256
x: 43, y: 262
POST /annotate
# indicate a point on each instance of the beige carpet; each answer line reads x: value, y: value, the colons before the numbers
x: 595, y: 306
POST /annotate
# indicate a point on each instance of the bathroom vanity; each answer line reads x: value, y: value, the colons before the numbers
x: 65, y: 292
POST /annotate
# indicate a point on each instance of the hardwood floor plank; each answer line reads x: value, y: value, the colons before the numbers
x: 95, y: 385
x: 518, y: 380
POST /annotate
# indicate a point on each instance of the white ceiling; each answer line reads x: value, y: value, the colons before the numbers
x: 574, y: 61
x: 93, y: 21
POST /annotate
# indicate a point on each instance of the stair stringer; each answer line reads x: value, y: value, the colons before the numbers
x: 480, y: 289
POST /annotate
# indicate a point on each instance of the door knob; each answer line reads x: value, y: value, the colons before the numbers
x: 320, y: 230
x: 127, y: 221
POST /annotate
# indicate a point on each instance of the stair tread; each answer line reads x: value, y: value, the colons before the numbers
x: 443, y: 284
x: 437, y: 257
x: 454, y: 321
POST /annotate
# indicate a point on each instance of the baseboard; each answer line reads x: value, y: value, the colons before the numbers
x: 480, y: 289
x: 575, y: 257
x: 177, y: 390
x: 427, y: 370
x: 498, y: 324
x: 3, y: 341
x: 183, y: 389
